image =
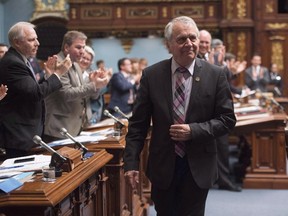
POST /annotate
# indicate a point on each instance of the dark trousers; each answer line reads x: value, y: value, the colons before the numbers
x: 183, y: 197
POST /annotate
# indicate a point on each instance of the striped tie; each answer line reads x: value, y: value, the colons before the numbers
x: 179, y: 105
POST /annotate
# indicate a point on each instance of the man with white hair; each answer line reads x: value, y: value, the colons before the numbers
x: 22, y: 110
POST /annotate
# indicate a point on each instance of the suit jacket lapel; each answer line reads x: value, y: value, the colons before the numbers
x: 195, y: 85
x: 167, y: 82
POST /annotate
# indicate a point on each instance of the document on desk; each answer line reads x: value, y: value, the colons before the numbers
x: 85, y: 137
x: 25, y: 164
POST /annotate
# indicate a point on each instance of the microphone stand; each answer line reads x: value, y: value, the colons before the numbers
x: 57, y: 160
x: 80, y: 146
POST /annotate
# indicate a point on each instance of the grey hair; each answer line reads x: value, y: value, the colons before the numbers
x: 17, y: 31
x: 182, y: 19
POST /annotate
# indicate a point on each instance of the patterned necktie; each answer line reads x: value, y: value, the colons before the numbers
x: 179, y: 105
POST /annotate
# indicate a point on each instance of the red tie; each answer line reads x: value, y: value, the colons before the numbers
x: 179, y: 105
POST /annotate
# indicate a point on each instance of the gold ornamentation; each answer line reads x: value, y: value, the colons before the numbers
x: 141, y: 12
x: 164, y: 12
x: 229, y: 9
x: 241, y: 9
x: 96, y: 12
x: 269, y: 7
x: 230, y: 41
x: 277, y: 54
x: 241, y: 38
x: 51, y: 8
x: 277, y: 25
x: 73, y: 13
x: 127, y: 44
x: 195, y: 11
x: 211, y: 11
x: 118, y: 12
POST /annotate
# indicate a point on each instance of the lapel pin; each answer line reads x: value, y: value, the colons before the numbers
x: 197, y: 79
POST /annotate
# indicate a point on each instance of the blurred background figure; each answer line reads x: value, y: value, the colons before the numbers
x: 219, y: 51
x: 257, y: 76
x: 143, y: 63
x: 3, y: 49
x: 98, y: 105
x: 235, y: 68
x: 85, y: 64
x: 123, y: 87
x: 275, y: 80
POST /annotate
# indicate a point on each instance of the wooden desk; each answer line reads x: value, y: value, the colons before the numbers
x: 80, y: 192
x: 120, y: 197
x: 268, y: 168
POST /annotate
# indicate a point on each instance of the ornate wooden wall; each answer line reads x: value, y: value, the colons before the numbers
x: 246, y: 26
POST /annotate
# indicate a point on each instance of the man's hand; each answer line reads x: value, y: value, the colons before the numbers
x: 180, y: 132
x: 3, y: 91
x: 132, y: 176
x: 100, y: 78
x: 60, y: 68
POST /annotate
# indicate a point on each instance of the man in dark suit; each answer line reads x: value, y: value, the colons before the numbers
x: 257, y: 76
x: 122, y: 88
x: 22, y: 110
x: 180, y: 182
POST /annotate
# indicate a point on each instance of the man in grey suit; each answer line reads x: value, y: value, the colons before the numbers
x: 66, y: 107
x: 22, y: 111
x: 180, y: 182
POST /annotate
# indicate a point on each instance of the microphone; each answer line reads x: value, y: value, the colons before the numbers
x: 57, y: 159
x: 277, y: 104
x: 117, y: 109
x: 108, y: 114
x: 276, y: 89
x: 64, y: 132
x: 274, y: 102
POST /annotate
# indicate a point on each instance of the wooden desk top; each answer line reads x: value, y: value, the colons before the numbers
x: 40, y: 193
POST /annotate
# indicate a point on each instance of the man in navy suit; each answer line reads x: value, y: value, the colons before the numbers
x: 122, y: 88
x: 180, y: 184
x: 22, y: 110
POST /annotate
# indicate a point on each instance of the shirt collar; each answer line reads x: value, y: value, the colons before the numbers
x: 175, y: 65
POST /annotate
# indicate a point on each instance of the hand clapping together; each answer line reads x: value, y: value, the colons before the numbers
x: 60, y: 68
x: 100, y: 78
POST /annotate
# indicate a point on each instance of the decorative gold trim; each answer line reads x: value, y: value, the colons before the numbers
x: 127, y: 44
x: 277, y: 37
x: 241, y: 9
x: 164, y: 12
x: 118, y: 12
x: 241, y: 38
x: 211, y: 11
x: 229, y: 8
x: 195, y: 11
x: 269, y: 7
x: 277, y: 54
x: 141, y: 12
x: 277, y: 25
x: 49, y: 8
x: 97, y: 12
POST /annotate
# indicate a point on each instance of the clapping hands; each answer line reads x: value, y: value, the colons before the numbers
x: 60, y: 68
x: 100, y: 78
